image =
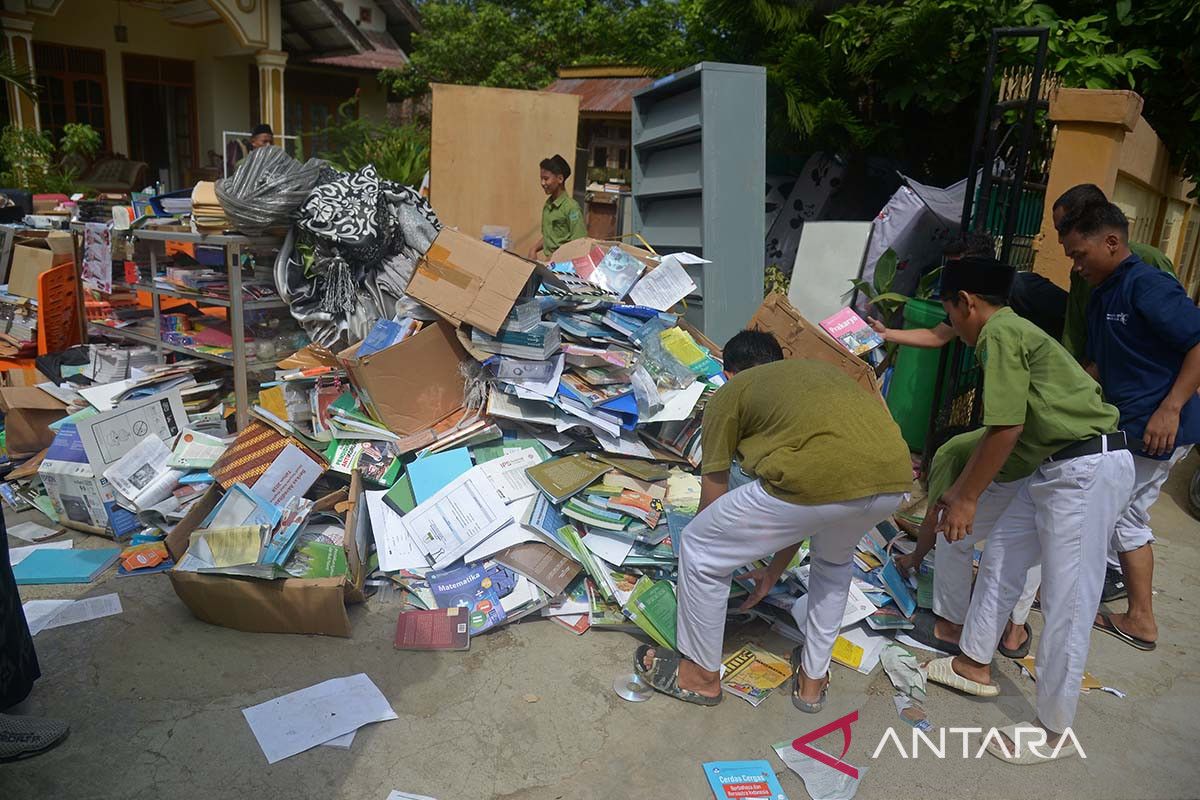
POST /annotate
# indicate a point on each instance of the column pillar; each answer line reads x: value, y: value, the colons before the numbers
x: 18, y: 41
x: 1091, y: 128
x: 270, y: 88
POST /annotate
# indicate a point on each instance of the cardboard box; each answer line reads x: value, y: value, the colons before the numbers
x: 287, y: 605
x: 32, y: 255
x: 82, y: 499
x: 469, y: 281
x: 581, y: 247
x: 27, y: 413
x: 800, y: 338
x: 414, y: 383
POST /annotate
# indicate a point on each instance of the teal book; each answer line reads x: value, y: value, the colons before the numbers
x: 730, y: 779
x: 433, y: 472
x: 64, y: 566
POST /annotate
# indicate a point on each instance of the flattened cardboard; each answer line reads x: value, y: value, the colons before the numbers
x: 287, y: 605
x: 469, y: 281
x: 412, y: 384
x: 800, y: 338
x: 34, y: 254
x: 27, y: 413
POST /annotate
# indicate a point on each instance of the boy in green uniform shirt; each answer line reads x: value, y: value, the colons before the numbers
x: 829, y: 463
x: 562, y: 219
x: 1040, y: 407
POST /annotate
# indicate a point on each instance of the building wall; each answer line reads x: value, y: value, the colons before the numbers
x: 1103, y: 139
x: 221, y: 72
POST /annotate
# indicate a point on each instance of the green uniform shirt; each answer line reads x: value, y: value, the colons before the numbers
x: 1075, y: 328
x: 1030, y: 380
x: 808, y: 432
x: 951, y: 459
x: 562, y: 222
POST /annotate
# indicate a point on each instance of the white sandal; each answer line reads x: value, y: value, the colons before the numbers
x: 941, y: 670
x: 1027, y: 756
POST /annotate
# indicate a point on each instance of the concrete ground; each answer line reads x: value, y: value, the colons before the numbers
x: 154, y: 698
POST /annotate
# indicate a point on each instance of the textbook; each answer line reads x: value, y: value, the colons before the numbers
x: 659, y: 606
x: 852, y: 332
x: 741, y: 779
x: 751, y: 674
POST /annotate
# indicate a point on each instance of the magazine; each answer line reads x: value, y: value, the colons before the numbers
x: 751, y: 674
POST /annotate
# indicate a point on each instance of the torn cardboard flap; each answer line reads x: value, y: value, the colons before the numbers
x: 414, y: 383
x: 27, y: 413
x: 35, y: 253
x: 800, y: 338
x: 469, y: 281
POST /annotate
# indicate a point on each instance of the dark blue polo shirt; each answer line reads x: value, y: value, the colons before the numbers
x: 1140, y: 325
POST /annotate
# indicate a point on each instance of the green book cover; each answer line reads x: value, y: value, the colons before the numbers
x: 560, y: 478
x: 660, y: 607
x: 638, y: 616
x: 400, y: 496
x: 569, y: 535
x: 321, y: 560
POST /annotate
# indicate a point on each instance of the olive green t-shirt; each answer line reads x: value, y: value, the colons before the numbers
x: 807, y: 431
x: 1029, y: 379
x: 1074, y: 336
x: 562, y: 222
x: 951, y: 459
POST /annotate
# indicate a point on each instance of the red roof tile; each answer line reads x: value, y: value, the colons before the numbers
x: 601, y: 94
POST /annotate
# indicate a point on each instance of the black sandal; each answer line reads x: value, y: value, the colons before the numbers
x: 1021, y: 651
x: 924, y: 632
x: 664, y: 675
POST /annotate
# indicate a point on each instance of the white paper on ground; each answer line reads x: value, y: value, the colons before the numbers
x: 18, y: 554
x: 610, y: 548
x: 306, y: 718
x: 343, y: 742
x: 665, y: 285
x: 396, y: 550
x: 678, y: 404
x: 89, y: 608
x: 627, y: 444
x: 39, y: 612
x: 398, y: 795
x: 822, y: 781
x: 32, y: 532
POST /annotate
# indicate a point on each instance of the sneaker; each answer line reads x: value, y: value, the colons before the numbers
x: 1114, y: 586
x: 23, y: 737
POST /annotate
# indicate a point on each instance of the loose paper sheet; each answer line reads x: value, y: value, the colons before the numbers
x: 459, y: 516
x: 507, y: 474
x: 396, y: 550
x: 666, y: 285
x: 304, y: 719
x: 822, y: 781
x: 18, y: 554
x: 678, y: 404
x: 31, y: 531
x: 42, y: 615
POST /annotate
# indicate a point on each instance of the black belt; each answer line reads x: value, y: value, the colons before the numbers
x: 1107, y: 443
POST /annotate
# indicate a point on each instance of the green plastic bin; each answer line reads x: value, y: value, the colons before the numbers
x: 910, y: 395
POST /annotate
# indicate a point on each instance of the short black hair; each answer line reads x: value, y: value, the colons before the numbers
x: 1092, y: 218
x: 262, y: 128
x: 751, y: 348
x: 972, y: 244
x: 557, y: 165
x: 1080, y: 195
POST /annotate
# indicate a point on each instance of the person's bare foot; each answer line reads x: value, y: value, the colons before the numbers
x: 692, y: 676
x: 811, y: 688
x: 947, y: 631
x: 1143, y: 626
x: 1014, y: 636
x: 973, y: 670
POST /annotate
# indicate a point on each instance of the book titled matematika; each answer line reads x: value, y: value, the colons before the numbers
x: 852, y: 332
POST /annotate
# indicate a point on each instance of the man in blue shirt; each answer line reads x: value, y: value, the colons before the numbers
x: 1143, y: 342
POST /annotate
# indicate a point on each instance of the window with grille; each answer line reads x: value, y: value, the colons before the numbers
x: 73, y: 88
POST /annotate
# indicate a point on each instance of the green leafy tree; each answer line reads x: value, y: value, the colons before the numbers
x: 521, y: 44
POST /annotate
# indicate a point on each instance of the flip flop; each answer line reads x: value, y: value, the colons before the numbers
x: 1106, y: 625
x: 804, y: 705
x: 1021, y: 651
x: 923, y: 632
x: 664, y: 675
x: 941, y: 670
x: 1026, y: 757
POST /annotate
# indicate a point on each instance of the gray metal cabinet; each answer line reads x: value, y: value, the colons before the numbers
x: 699, y: 172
